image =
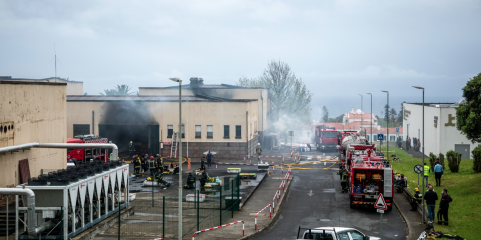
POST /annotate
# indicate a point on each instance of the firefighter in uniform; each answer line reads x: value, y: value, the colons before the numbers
x: 137, y: 165
x: 131, y: 149
x: 343, y: 175
x: 152, y: 166
x: 190, y: 182
x: 417, y: 199
x: 159, y: 163
x: 259, y: 151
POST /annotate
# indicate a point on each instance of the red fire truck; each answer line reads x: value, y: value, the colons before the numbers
x: 87, y: 154
x: 367, y: 179
x: 327, y: 138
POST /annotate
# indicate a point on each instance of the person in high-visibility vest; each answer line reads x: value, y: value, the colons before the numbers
x: 152, y: 166
x: 343, y: 175
x: 426, y: 173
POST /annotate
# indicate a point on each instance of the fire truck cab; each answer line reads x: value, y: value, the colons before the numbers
x: 367, y: 179
x: 87, y: 154
x: 327, y: 138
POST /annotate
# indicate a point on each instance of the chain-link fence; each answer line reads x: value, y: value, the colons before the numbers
x: 156, y: 214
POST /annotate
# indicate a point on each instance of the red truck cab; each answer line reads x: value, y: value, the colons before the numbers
x: 327, y: 138
x: 87, y: 154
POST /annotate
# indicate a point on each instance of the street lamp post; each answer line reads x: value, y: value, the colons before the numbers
x: 370, y: 138
x: 387, y: 125
x: 423, y: 150
x: 360, y: 125
x: 180, y: 154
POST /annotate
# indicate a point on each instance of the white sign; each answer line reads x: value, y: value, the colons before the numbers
x: 380, y: 211
x: 380, y: 203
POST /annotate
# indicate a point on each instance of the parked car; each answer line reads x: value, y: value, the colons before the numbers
x: 333, y: 233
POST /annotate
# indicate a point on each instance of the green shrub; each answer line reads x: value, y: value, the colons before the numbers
x: 441, y: 159
x: 476, y: 159
x: 432, y: 160
x: 454, y: 159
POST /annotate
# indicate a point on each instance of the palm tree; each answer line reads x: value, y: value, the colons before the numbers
x: 118, y: 90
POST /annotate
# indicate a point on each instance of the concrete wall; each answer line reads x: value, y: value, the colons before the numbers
x: 440, y: 138
x: 261, y: 94
x: 75, y: 88
x: 38, y: 113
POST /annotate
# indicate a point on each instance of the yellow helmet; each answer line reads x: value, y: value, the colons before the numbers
x: 399, y: 175
x: 149, y: 179
x: 416, y: 189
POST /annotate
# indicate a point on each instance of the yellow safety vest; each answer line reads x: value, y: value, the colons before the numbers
x: 426, y: 170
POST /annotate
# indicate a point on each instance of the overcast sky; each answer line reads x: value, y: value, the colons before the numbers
x: 338, y: 48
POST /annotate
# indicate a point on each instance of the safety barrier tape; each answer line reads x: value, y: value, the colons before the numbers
x: 221, y: 226
x: 264, y: 156
x: 270, y: 214
x: 369, y: 203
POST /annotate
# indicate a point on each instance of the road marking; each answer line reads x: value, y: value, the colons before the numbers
x: 310, y: 193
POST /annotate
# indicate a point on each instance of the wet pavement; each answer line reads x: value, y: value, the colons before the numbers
x: 326, y: 206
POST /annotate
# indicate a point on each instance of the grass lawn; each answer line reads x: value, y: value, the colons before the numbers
x: 463, y: 187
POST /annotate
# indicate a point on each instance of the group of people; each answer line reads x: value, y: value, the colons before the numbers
x: 438, y: 172
x: 153, y: 164
x: 416, y: 143
x: 431, y: 197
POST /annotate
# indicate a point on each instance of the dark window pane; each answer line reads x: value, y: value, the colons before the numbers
x: 197, y: 131
x: 209, y: 131
x: 238, y: 131
x: 170, y: 131
x: 81, y: 129
x: 226, y: 131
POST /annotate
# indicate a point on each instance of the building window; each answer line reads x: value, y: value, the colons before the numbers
x: 81, y: 129
x: 209, y: 131
x: 226, y: 131
x: 183, y: 132
x: 374, y: 137
x: 238, y: 131
x: 170, y: 131
x: 197, y: 131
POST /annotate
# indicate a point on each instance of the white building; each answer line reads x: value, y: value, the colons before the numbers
x: 439, y: 128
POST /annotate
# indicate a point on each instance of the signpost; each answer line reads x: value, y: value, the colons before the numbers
x: 418, y: 169
x: 380, y: 137
x: 381, y: 206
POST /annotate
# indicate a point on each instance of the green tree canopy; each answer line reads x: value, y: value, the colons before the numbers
x: 468, y: 113
x: 289, y: 96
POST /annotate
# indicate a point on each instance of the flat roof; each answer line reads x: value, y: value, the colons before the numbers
x: 164, y: 98
x: 210, y: 86
x: 9, y: 78
x: 32, y: 83
x: 430, y: 103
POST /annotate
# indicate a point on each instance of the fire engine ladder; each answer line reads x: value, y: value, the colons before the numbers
x: 174, y: 143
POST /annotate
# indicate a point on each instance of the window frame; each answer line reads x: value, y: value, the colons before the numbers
x: 171, y: 131
x: 200, y: 131
x: 226, y: 136
x: 211, y: 132
x: 240, y: 131
x: 81, y: 125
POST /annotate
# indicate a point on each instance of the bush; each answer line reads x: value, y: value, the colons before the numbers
x: 432, y: 160
x: 441, y: 160
x: 476, y: 159
x: 454, y: 159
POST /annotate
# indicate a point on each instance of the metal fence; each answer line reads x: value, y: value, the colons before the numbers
x: 156, y: 214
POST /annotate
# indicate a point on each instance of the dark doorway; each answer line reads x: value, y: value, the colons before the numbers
x: 144, y: 137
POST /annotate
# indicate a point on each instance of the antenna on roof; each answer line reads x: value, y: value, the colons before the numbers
x: 55, y: 57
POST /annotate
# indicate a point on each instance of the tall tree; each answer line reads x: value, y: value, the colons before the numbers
x: 118, y: 90
x: 289, y: 96
x: 392, y: 117
x: 400, y: 114
x: 468, y: 113
x: 325, y: 114
x: 386, y: 112
x: 339, y: 118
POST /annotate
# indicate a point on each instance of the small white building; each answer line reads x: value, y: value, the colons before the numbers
x: 439, y: 128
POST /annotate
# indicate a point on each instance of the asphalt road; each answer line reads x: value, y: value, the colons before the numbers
x: 327, y: 207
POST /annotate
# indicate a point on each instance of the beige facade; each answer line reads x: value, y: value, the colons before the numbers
x: 35, y: 112
x: 163, y: 111
x: 73, y: 87
x: 222, y: 91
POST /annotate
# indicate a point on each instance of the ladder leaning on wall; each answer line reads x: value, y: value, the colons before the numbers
x: 174, y: 144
